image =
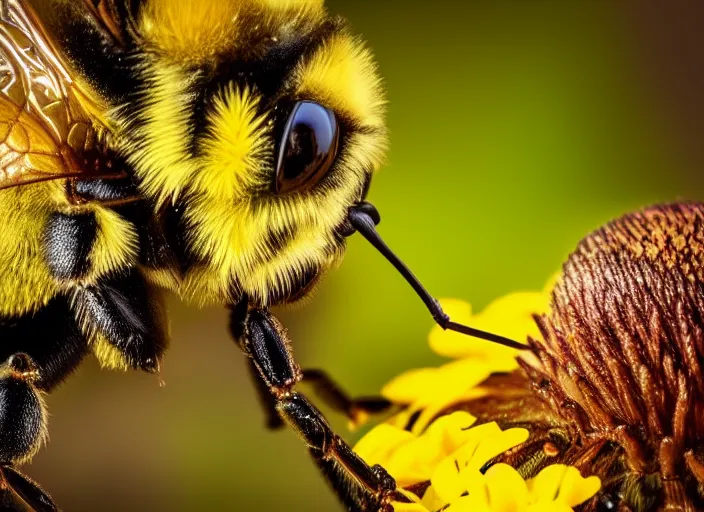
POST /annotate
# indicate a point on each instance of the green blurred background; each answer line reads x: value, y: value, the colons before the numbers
x: 517, y: 127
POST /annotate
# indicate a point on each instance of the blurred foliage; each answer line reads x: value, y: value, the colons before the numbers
x: 517, y: 127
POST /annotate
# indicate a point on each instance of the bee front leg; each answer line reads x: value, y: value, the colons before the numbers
x: 359, y: 486
x: 357, y: 410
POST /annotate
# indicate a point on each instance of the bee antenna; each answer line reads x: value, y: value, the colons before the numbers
x: 364, y: 217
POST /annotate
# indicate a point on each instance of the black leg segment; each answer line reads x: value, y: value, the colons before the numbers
x: 359, y: 486
x: 107, y: 191
x: 273, y: 419
x: 19, y: 493
x: 323, y: 386
x: 356, y: 409
x: 129, y: 314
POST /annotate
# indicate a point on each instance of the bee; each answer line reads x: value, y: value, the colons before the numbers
x: 218, y: 149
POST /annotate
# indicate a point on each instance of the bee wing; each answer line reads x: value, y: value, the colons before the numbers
x: 46, y: 129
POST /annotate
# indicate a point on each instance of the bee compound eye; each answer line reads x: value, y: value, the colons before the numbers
x: 308, y: 147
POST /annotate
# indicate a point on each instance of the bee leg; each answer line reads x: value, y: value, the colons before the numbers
x: 273, y: 420
x: 126, y: 316
x: 238, y: 316
x: 23, y: 420
x: 356, y: 409
x: 109, y: 192
x: 359, y: 486
x: 20, y: 493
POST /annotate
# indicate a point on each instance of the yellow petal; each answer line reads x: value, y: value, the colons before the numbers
x: 408, y: 507
x: 575, y: 489
x: 563, y: 484
x: 407, y: 387
x: 475, y: 436
x: 492, y: 446
x: 377, y: 446
x: 506, y: 489
x: 449, y: 384
x: 446, y: 480
x: 414, y: 462
x: 510, y: 316
x: 431, y: 500
x: 470, y: 504
x: 546, y: 484
x: 475, y: 484
x: 451, y: 431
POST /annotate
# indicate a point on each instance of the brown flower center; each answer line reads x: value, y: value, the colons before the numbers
x: 622, y: 350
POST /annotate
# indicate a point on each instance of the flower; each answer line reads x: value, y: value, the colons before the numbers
x: 450, y: 456
x: 439, y: 463
x: 412, y: 458
x: 612, y: 383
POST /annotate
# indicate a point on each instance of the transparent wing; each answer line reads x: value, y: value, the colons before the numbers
x: 46, y: 130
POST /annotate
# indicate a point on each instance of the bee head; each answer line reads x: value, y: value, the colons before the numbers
x: 265, y: 119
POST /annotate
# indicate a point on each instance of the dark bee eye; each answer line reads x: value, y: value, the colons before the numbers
x: 308, y: 147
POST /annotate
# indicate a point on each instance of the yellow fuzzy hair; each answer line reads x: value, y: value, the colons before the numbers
x: 197, y: 30
x: 229, y: 230
x: 116, y: 244
x: 342, y: 74
x: 192, y: 30
x: 25, y: 282
x: 107, y: 355
x: 165, y: 168
x: 235, y: 151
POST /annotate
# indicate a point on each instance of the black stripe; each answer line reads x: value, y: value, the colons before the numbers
x: 267, y: 75
x: 50, y: 337
x: 279, y: 239
x: 108, y: 66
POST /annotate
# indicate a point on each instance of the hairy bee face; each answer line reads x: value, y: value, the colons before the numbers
x: 265, y: 136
